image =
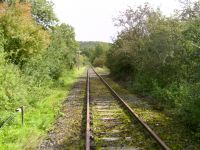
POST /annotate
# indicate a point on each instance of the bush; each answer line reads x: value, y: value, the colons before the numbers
x: 99, y: 62
x: 23, y: 37
x: 170, y: 96
x: 13, y: 90
x: 190, y: 111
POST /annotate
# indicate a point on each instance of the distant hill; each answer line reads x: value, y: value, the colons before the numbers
x: 93, y: 44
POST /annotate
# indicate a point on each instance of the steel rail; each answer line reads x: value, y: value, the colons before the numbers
x: 87, y: 140
x: 152, y: 133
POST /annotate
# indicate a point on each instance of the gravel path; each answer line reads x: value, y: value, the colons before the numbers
x: 67, y: 131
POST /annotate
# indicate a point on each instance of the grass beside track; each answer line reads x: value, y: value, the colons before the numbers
x: 38, y: 120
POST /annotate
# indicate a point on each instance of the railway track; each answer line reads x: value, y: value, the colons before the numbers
x: 111, y: 123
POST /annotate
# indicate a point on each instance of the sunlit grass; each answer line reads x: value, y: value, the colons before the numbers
x: 102, y: 70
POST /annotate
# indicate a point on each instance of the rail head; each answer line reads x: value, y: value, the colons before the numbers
x: 142, y: 122
x: 87, y: 140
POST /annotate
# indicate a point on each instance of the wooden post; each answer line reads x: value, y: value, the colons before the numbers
x: 22, y: 112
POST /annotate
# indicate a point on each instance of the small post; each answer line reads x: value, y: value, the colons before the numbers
x: 21, y: 109
x: 22, y: 112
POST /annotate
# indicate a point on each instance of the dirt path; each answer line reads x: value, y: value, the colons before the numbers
x: 67, y: 131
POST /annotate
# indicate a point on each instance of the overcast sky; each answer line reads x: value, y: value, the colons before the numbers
x: 92, y: 19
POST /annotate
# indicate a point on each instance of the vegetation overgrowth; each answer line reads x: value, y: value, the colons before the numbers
x: 159, y: 57
x: 38, y: 118
x: 38, y: 57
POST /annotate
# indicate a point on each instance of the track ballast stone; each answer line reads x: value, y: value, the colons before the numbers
x: 67, y: 132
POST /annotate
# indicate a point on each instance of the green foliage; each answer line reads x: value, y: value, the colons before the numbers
x: 160, y: 55
x: 190, y: 111
x: 95, y: 51
x: 62, y: 52
x: 13, y: 91
x: 37, y: 119
x: 92, y: 44
x: 33, y: 58
x: 43, y: 13
x: 23, y: 38
x: 99, y: 61
x: 58, y: 56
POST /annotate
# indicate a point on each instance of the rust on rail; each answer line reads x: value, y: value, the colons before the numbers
x: 87, y: 144
x: 152, y: 133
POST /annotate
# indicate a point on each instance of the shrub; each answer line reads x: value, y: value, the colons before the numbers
x: 99, y: 61
x: 23, y: 37
x: 190, y: 111
x: 13, y: 90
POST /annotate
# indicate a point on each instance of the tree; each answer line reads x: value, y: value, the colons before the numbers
x: 60, y: 54
x: 42, y: 11
x: 23, y: 37
x: 189, y: 10
x: 95, y: 51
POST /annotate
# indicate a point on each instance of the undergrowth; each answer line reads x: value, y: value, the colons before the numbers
x: 38, y: 118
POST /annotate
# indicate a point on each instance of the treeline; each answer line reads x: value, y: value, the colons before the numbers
x: 95, y: 52
x: 160, y: 57
x: 34, y: 50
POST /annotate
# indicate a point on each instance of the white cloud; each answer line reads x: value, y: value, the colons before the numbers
x: 92, y: 19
